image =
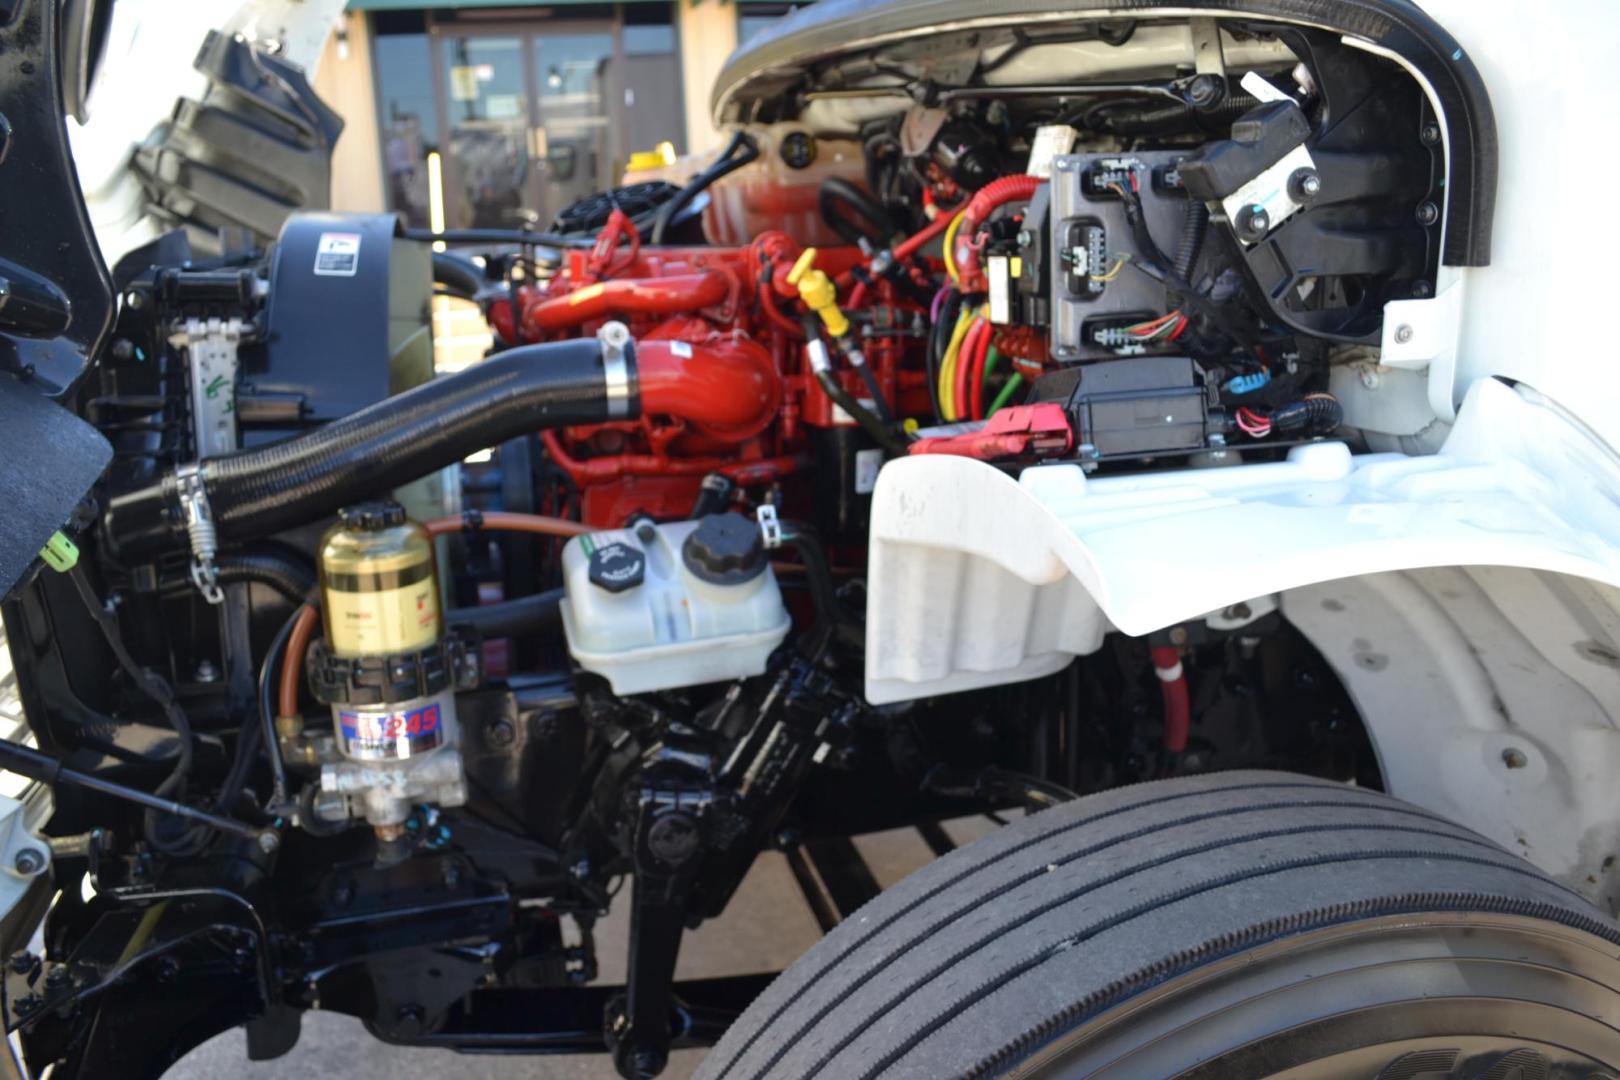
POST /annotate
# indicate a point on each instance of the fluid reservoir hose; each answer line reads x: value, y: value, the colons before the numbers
x: 258, y: 492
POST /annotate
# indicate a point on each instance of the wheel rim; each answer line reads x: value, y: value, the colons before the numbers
x: 1417, y: 997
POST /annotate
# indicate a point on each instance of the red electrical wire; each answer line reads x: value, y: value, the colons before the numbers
x: 964, y: 366
x: 981, y: 356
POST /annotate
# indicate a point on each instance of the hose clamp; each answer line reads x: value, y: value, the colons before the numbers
x: 770, y: 526
x: 614, y: 337
x: 191, y: 493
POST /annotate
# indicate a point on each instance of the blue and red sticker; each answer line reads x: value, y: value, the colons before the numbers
x: 373, y: 728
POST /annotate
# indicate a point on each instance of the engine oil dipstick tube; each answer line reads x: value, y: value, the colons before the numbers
x: 386, y: 668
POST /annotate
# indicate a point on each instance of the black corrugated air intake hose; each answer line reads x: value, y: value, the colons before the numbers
x: 259, y: 492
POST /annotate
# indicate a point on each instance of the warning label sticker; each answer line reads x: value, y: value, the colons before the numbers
x: 338, y: 254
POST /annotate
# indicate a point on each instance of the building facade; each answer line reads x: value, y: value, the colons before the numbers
x: 497, y: 113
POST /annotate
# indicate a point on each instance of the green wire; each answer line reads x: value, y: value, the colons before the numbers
x: 1007, y: 391
x: 990, y: 359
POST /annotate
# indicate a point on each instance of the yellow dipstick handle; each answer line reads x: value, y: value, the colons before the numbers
x: 818, y: 292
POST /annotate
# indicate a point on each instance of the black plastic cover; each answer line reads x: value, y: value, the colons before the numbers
x: 1260, y: 138
x: 1142, y: 406
x: 255, y: 148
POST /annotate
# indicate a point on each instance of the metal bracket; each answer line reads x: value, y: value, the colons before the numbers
x: 770, y: 526
x: 614, y: 338
x: 211, y: 351
x: 1208, y: 59
x: 191, y: 491
x: 1422, y: 334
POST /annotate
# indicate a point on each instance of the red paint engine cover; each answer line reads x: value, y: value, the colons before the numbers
x: 720, y: 359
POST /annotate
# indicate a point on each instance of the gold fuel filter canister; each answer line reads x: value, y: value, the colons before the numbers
x: 380, y: 600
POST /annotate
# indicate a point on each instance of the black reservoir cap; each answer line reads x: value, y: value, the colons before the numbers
x: 617, y: 567
x: 725, y: 549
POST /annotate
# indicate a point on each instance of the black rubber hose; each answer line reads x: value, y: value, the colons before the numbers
x: 835, y: 190
x: 457, y: 274
x: 278, y: 567
x: 253, y: 735
x: 739, y: 152
x: 996, y: 785
x: 260, y: 492
x: 802, y: 539
x: 497, y: 236
x: 863, y: 416
x: 879, y: 403
x: 1193, y: 222
x: 511, y: 618
x: 1163, y: 118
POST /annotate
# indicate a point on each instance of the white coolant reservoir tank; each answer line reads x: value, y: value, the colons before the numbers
x: 654, y: 607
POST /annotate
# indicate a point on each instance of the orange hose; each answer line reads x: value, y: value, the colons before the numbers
x: 503, y: 521
x: 292, y: 663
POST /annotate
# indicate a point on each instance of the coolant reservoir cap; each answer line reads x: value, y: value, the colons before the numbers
x: 617, y: 567
x: 372, y: 516
x: 725, y: 549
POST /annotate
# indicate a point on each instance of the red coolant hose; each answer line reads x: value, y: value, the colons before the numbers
x: 1177, y: 710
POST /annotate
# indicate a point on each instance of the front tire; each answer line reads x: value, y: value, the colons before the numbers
x: 1240, y: 924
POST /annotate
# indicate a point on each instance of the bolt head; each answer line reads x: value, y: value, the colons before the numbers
x: 269, y: 841
x: 1178, y: 635
x: 1430, y: 133
x: 1370, y: 379
x: 1427, y: 213
x: 1253, y: 221
x: 29, y: 861
x: 1311, y: 185
x: 500, y: 734
x: 1403, y: 334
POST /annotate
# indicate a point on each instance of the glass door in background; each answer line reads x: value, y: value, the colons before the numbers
x: 490, y: 173
x: 574, y: 135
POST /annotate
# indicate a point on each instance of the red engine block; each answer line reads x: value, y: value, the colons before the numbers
x: 720, y: 355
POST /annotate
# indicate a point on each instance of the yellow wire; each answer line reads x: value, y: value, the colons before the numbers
x: 1119, y: 264
x: 947, y: 369
x: 950, y: 243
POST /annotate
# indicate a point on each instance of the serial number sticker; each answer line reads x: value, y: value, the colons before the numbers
x: 337, y: 254
x: 382, y: 727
